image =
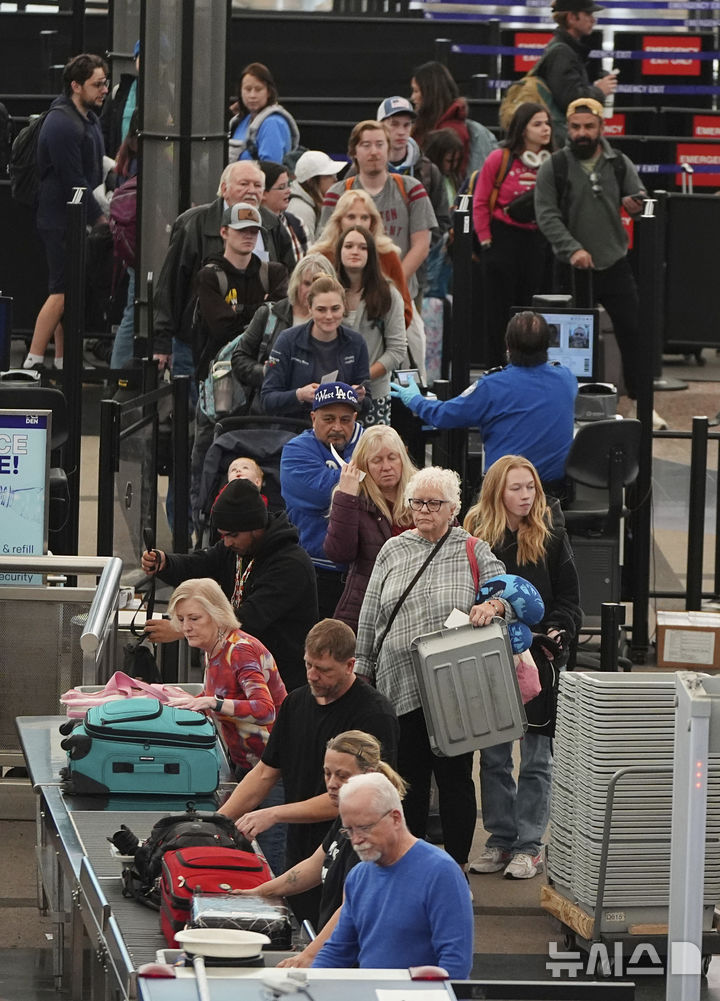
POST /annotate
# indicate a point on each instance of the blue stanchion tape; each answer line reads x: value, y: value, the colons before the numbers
x: 670, y: 5
x: 674, y: 168
x: 637, y: 88
x: 647, y: 22
x: 515, y: 50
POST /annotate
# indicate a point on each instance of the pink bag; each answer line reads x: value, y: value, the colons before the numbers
x: 527, y: 675
x: 120, y: 686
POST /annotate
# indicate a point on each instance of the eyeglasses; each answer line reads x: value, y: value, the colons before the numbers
x: 433, y: 505
x: 596, y: 185
x: 348, y: 832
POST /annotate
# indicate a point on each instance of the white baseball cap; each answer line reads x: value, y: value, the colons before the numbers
x: 314, y: 163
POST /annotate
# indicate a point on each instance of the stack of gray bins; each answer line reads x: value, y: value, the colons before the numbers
x: 607, y: 722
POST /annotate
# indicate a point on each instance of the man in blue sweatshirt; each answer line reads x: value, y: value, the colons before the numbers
x: 407, y: 903
x: 69, y: 155
x: 309, y: 472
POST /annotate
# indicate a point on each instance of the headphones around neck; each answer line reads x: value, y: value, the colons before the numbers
x: 531, y: 159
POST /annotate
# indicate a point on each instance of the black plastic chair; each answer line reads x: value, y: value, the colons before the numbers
x: 32, y: 398
x: 602, y: 462
x: 603, y: 458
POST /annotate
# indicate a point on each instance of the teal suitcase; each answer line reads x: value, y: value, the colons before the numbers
x: 141, y: 746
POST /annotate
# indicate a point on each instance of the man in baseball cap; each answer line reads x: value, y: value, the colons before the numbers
x: 229, y: 290
x: 309, y: 472
x: 398, y: 115
x: 563, y: 66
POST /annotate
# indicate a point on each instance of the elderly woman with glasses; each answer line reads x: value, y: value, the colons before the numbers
x: 419, y: 577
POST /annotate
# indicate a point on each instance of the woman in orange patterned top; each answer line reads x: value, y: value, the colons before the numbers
x: 242, y: 688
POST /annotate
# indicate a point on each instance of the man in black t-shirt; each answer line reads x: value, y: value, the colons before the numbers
x: 334, y: 700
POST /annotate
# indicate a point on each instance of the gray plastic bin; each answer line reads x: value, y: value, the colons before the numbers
x: 468, y: 687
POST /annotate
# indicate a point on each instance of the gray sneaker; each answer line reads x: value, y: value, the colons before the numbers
x: 490, y: 860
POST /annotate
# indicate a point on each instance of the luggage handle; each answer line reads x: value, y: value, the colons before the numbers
x: 225, y: 864
x: 133, y: 715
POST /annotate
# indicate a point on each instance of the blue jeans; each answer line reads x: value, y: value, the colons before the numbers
x: 273, y: 840
x: 123, y: 345
x: 515, y: 817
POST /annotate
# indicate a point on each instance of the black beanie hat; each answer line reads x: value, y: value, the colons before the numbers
x: 239, y: 507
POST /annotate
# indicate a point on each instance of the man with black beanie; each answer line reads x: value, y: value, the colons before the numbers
x: 267, y: 576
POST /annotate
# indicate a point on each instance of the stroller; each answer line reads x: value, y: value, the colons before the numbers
x: 258, y: 437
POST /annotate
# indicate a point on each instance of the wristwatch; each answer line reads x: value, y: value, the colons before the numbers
x: 218, y: 703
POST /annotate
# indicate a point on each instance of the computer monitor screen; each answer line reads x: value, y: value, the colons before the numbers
x: 574, y: 339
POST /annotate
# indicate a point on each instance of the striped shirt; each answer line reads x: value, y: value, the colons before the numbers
x: 445, y: 584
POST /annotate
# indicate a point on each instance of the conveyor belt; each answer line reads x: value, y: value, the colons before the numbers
x: 140, y: 926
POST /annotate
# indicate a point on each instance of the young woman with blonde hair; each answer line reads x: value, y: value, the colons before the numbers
x: 513, y: 517
x: 311, y: 350
x: 366, y: 511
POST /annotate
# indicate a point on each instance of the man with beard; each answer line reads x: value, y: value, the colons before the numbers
x: 69, y: 155
x: 263, y: 571
x: 408, y: 904
x: 333, y: 701
x: 310, y: 471
x: 578, y: 196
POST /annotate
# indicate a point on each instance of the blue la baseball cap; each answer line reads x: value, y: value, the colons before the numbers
x: 335, y: 392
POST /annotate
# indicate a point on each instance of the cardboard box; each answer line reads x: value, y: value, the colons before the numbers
x: 688, y: 639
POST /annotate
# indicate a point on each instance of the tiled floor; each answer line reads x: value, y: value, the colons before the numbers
x: 512, y: 932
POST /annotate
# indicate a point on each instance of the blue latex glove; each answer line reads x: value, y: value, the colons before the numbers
x: 405, y: 393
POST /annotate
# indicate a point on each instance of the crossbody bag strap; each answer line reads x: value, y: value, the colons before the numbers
x: 408, y: 589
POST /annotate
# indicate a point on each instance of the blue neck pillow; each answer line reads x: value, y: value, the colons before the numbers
x: 525, y: 601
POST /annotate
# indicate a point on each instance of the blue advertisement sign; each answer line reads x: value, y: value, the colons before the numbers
x: 24, y: 465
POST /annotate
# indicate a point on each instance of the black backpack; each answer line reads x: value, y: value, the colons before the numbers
x: 184, y: 830
x: 22, y: 167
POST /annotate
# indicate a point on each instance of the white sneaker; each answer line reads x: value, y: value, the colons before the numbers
x: 659, y: 423
x: 523, y: 866
x: 490, y: 860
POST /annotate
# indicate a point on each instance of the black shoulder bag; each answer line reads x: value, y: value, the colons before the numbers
x: 398, y: 604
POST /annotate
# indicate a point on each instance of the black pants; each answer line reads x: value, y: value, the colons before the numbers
x: 615, y: 289
x: 330, y: 586
x: 516, y: 267
x: 458, y: 808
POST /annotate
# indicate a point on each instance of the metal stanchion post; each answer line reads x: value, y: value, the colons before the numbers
x: 74, y: 331
x: 442, y: 50
x: 181, y: 462
x: 612, y: 617
x: 696, y: 514
x: 649, y: 235
x: 108, y: 464
x: 461, y: 326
